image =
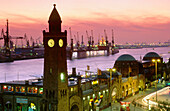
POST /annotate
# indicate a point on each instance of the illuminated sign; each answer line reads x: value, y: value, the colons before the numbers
x: 21, y: 100
x: 94, y: 82
x: 101, y: 96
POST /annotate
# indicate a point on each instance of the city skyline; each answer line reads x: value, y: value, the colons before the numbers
x: 132, y: 21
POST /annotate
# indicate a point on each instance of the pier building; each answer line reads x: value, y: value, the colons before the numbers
x: 57, y: 91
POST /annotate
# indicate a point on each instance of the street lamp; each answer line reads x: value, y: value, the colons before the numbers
x: 111, y: 70
x: 156, y: 62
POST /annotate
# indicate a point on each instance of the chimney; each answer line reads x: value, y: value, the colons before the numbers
x: 79, y: 85
x: 26, y: 82
x: 88, y: 67
x: 73, y: 71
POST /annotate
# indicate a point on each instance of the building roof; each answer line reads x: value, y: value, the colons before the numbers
x: 126, y: 57
x: 104, y: 75
x: 54, y: 17
x: 151, y: 55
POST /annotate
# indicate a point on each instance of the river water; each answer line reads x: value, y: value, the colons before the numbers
x: 29, y: 69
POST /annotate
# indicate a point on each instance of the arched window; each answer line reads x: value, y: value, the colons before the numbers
x: 8, y: 106
x: 74, y: 108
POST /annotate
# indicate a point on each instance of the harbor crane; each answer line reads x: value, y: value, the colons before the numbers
x: 7, y: 40
x: 71, y: 39
x: 75, y: 38
x: 99, y: 39
x: 106, y: 37
x: 78, y: 40
x: 88, y: 38
x: 82, y: 43
x: 32, y: 41
x: 113, y: 43
x: 92, y: 38
x: 37, y: 41
x: 26, y: 40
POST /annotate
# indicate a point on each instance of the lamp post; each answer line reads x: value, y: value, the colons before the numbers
x: 156, y: 62
x: 111, y: 70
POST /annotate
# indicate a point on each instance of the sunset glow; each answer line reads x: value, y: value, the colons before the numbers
x: 132, y: 20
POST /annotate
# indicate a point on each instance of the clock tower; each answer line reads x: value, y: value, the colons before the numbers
x: 55, y: 82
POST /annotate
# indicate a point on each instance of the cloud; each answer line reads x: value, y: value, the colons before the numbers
x: 143, y: 28
x: 149, y: 29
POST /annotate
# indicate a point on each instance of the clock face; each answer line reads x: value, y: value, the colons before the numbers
x: 60, y: 42
x: 51, y: 43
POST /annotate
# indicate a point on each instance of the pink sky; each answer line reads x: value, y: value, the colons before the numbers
x: 132, y: 20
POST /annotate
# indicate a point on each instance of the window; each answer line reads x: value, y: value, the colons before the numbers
x: 72, y: 89
x: 40, y: 90
x: 51, y: 71
x: 20, y: 89
x: 32, y: 90
x: 62, y: 77
x: 7, y: 88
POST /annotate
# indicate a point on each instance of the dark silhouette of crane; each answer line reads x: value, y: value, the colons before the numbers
x: 113, y: 42
x: 106, y: 37
x: 7, y: 40
x: 92, y: 38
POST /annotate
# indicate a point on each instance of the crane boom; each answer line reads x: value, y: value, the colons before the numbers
x: 92, y: 37
x: 2, y: 34
x: 105, y: 34
x: 70, y: 33
x: 106, y: 37
x: 89, y: 41
x: 112, y: 37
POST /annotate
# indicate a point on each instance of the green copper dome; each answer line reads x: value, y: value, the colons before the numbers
x: 151, y: 54
x: 126, y: 57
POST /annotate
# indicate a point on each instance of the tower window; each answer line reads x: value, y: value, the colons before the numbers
x: 62, y: 77
x: 51, y: 71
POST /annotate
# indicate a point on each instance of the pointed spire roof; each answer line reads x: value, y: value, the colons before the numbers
x: 54, y: 17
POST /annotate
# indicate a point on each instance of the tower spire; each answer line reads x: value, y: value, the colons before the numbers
x: 54, y: 21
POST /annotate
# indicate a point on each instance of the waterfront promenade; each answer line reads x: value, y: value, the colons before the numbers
x: 140, y: 106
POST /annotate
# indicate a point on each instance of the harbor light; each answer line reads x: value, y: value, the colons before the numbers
x: 114, y: 69
x: 93, y: 95
x: 88, y: 97
x: 156, y: 68
x: 156, y: 60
